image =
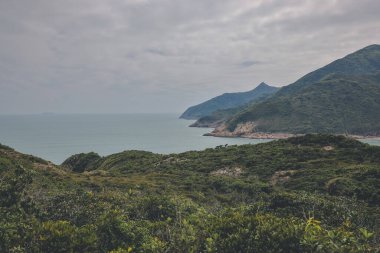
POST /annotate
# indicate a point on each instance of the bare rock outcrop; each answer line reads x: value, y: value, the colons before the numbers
x: 246, y: 130
x: 228, y: 171
x: 281, y: 176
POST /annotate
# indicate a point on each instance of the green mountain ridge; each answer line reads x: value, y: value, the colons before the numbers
x: 365, y: 61
x: 340, y: 98
x: 218, y: 117
x: 228, y: 101
x: 336, y: 104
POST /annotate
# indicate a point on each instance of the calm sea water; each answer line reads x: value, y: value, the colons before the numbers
x: 56, y: 137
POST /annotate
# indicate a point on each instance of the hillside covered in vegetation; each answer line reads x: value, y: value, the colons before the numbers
x: 317, y: 193
x: 341, y: 98
x: 228, y: 101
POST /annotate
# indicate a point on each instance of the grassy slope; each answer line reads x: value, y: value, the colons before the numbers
x: 337, y: 104
x: 316, y: 160
x: 365, y: 61
x: 333, y: 177
x: 347, y: 168
x: 338, y: 98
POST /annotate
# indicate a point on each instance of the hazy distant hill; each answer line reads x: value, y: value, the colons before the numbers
x: 218, y: 117
x: 342, y: 97
x: 227, y: 101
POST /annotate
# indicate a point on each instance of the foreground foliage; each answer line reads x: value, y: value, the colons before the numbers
x: 228, y: 199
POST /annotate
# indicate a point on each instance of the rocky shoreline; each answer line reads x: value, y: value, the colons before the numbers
x: 247, y: 130
x: 257, y: 135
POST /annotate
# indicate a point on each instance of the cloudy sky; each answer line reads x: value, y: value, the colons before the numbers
x: 121, y: 56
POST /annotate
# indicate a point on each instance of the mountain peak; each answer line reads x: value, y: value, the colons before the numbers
x: 341, y: 97
x: 264, y: 87
x: 228, y: 101
x: 262, y: 84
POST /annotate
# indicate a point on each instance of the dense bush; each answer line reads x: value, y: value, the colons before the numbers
x: 289, y: 196
x: 81, y: 162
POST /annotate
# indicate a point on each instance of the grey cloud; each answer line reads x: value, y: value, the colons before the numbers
x: 249, y: 63
x: 131, y: 55
x: 157, y: 52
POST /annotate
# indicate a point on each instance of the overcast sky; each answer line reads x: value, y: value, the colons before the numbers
x: 122, y: 56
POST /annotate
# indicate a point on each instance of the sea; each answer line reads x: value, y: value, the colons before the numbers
x: 55, y: 137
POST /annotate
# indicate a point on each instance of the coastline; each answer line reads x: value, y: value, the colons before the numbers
x: 362, y: 137
x: 257, y: 135
x: 247, y: 131
x: 280, y: 136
